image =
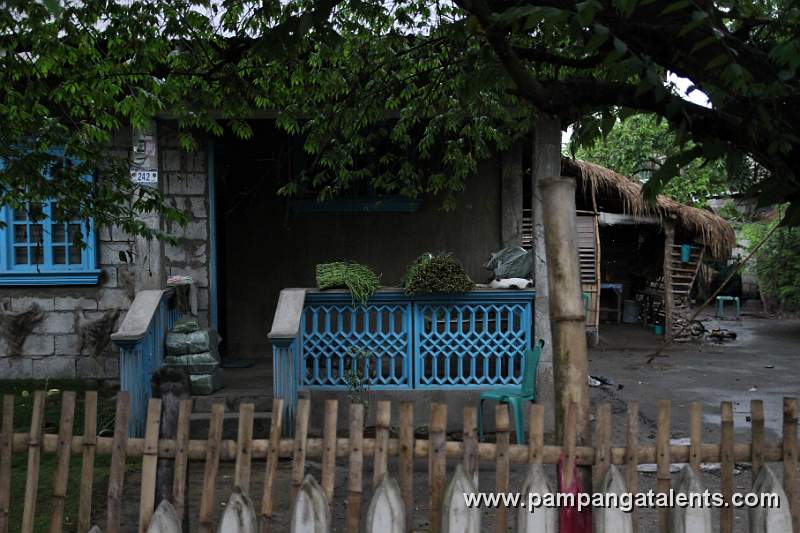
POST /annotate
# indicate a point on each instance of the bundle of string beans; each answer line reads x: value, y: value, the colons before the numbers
x: 358, y: 279
x: 436, y: 273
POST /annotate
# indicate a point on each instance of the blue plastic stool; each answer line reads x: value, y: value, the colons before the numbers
x: 721, y: 305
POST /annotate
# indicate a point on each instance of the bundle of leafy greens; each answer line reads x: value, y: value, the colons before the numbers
x: 441, y: 273
x: 360, y: 280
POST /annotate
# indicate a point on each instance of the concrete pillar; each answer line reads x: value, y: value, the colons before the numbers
x: 511, y: 196
x: 148, y: 264
x: 546, y: 163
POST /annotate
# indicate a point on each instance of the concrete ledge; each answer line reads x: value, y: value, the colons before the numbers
x: 137, y: 320
x: 286, y: 323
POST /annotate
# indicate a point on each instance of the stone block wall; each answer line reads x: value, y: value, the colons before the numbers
x: 185, y: 181
x: 63, y: 341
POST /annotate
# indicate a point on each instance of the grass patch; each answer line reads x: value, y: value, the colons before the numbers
x: 23, y: 406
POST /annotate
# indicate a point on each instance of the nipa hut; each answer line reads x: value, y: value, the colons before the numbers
x: 638, y: 253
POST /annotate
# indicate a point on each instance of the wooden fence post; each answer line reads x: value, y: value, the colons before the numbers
x: 6, y: 445
x: 757, y: 438
x: 116, y: 476
x: 663, y: 459
x: 405, y: 462
x: 383, y: 418
x: 34, y: 454
x: 63, y: 455
x: 726, y: 467
x: 471, y: 461
x: 437, y: 462
x: 272, y: 463
x: 244, y: 447
x: 502, y: 464
x: 181, y: 465
x: 87, y: 461
x: 695, y: 435
x: 329, y: 448
x: 211, y: 467
x: 602, y: 438
x: 790, y: 458
x: 536, y: 434
x: 354, y: 476
x: 299, y: 451
x: 149, y: 463
x: 632, y: 456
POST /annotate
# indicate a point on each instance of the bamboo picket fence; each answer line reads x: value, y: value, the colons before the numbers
x: 390, y: 441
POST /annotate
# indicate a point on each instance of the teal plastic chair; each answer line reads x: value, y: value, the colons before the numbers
x: 516, y: 397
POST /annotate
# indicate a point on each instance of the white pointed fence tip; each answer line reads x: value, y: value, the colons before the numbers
x: 310, y: 513
x: 613, y: 519
x: 542, y: 519
x: 456, y: 516
x: 690, y: 519
x: 165, y: 519
x: 239, y: 515
x: 775, y: 519
x: 386, y: 512
x: 95, y: 529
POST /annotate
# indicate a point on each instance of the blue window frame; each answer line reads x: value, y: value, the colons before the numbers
x: 37, y: 249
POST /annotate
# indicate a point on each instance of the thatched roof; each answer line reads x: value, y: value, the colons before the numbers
x: 714, y: 231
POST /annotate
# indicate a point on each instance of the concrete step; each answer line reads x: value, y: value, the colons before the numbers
x: 232, y: 398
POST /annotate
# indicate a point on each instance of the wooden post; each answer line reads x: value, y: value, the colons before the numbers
x: 663, y: 475
x: 669, y: 240
x: 355, y: 469
x: 272, y: 463
x: 329, y: 448
x: 632, y: 456
x: 571, y: 364
x: 536, y: 434
x: 299, y: 452
x: 34, y: 454
x: 62, y: 470
x: 211, y: 468
x: 171, y: 385
x: 244, y: 447
x: 405, y: 461
x: 602, y: 454
x: 471, y: 460
x: 502, y: 464
x: 790, y: 459
x: 6, y: 438
x: 546, y: 163
x: 726, y: 467
x: 757, y: 433
x: 695, y: 435
x: 87, y: 462
x: 381, y: 453
x: 116, y: 476
x: 180, y: 481
x: 437, y: 465
x: 149, y: 464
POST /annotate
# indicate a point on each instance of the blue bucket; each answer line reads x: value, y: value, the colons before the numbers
x: 658, y: 329
x: 686, y: 252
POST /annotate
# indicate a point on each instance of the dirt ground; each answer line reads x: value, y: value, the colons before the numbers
x: 765, y: 355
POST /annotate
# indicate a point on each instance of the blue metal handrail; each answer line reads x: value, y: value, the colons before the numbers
x: 141, y: 343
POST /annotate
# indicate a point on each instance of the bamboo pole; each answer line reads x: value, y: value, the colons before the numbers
x: 602, y: 454
x: 88, y: 450
x: 300, y: 437
x: 471, y: 442
x: 502, y: 464
x: 405, y: 463
x: 329, y: 448
x: 6, y: 446
x: 119, y: 454
x: 567, y: 317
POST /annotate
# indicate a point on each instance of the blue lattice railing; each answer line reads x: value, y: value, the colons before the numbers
x: 472, y: 340
x: 141, y: 343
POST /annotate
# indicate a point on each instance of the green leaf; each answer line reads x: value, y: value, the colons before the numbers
x: 675, y: 6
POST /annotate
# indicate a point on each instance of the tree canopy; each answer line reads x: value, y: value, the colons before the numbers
x: 409, y: 95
